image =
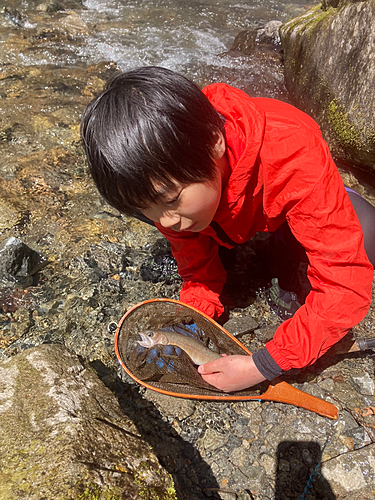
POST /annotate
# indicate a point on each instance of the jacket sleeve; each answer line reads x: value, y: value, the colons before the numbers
x: 340, y: 274
x: 200, y: 267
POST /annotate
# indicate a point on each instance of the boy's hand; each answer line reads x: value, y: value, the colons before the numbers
x: 231, y: 373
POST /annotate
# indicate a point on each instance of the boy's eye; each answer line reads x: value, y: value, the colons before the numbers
x: 173, y: 201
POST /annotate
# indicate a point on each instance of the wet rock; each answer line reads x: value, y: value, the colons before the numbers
x: 325, y: 49
x: 109, y: 257
x: 13, y: 16
x: 18, y: 262
x: 161, y: 266
x: 64, y: 435
x: 247, y: 41
x: 262, y: 46
x: 19, y: 323
x: 57, y: 5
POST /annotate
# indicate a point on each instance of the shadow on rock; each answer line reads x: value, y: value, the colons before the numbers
x: 298, y: 472
x: 192, y: 476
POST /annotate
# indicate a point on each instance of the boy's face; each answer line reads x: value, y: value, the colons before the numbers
x: 188, y: 207
x: 191, y: 207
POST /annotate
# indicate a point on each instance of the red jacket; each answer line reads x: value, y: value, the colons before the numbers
x: 281, y: 169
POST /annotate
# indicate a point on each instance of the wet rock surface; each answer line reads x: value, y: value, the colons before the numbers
x: 100, y: 263
x: 262, y: 46
x: 18, y: 262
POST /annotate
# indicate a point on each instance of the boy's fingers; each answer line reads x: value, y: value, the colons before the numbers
x: 209, y: 367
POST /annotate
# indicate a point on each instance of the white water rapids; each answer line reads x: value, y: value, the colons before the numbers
x: 185, y: 36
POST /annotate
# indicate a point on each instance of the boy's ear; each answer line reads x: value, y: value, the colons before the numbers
x: 220, y: 147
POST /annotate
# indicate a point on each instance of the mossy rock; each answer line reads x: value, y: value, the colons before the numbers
x: 64, y: 435
x: 329, y: 67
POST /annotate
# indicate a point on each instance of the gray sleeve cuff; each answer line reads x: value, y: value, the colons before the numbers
x: 266, y: 364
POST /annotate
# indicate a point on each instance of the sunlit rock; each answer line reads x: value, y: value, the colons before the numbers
x: 352, y: 473
x: 63, y: 434
x: 263, y: 49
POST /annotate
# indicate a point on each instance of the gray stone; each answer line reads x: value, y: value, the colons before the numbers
x: 248, y: 40
x: 172, y: 406
x: 329, y: 72
x: 364, y: 383
x: 18, y: 262
x: 64, y: 434
x: 352, y: 472
x: 255, y: 479
x: 212, y: 440
x: 240, y: 325
x: 241, y: 459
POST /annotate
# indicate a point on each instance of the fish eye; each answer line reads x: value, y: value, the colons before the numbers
x: 150, y: 334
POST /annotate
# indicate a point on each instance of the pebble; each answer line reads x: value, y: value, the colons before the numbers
x: 238, y: 326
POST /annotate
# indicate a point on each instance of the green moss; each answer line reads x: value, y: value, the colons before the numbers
x: 308, y: 19
x: 346, y: 133
x: 301, y: 20
x: 151, y: 493
x: 94, y: 492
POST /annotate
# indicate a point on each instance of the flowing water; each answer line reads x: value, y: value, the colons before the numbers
x: 54, y: 57
x: 46, y: 53
x: 185, y: 36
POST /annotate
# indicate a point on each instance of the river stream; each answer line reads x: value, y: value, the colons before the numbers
x: 187, y: 37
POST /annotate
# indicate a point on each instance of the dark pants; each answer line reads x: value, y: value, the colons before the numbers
x: 366, y: 215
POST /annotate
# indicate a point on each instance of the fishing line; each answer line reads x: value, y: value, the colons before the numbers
x: 317, y: 472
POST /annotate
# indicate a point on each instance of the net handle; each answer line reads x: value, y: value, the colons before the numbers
x: 278, y: 391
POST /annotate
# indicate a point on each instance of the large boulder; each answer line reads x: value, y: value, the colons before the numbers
x: 63, y: 435
x: 329, y: 72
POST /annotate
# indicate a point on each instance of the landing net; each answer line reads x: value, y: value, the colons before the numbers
x: 169, y: 369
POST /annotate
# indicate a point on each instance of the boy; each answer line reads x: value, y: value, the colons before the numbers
x: 214, y: 167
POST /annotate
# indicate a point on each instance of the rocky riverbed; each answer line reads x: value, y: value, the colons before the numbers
x: 92, y: 264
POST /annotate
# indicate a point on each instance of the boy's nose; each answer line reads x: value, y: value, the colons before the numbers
x: 168, y: 220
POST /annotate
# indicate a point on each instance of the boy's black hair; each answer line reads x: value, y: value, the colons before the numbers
x: 149, y: 124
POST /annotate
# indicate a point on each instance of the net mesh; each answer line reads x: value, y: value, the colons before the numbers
x: 169, y: 368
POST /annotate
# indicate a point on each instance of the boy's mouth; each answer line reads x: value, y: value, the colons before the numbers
x: 192, y: 227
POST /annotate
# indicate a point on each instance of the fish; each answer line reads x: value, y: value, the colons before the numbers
x: 196, y: 350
